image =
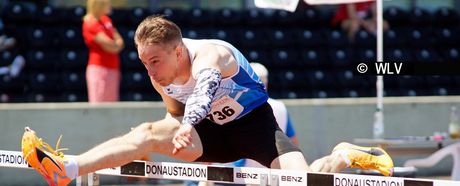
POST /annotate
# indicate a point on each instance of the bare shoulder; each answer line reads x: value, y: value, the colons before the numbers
x: 213, y: 50
x: 215, y: 56
x: 217, y: 48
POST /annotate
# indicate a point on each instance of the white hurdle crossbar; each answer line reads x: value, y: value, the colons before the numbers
x: 232, y: 175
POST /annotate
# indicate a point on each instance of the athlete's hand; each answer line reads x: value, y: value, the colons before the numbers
x: 182, y: 138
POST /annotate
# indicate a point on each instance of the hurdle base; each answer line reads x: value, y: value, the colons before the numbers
x: 90, y: 179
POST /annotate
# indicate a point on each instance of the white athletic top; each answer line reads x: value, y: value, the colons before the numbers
x: 236, y: 96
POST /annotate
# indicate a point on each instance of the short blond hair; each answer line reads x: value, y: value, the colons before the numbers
x: 157, y: 30
x: 95, y: 7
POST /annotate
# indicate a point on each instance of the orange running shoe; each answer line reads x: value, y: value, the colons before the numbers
x: 366, y: 157
x: 47, y: 161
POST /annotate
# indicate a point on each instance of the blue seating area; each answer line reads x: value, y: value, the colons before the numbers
x: 305, y: 55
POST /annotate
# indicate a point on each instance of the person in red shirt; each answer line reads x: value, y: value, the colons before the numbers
x: 104, y: 44
x: 354, y: 16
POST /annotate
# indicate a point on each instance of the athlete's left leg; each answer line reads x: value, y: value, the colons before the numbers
x: 290, y: 161
x: 332, y: 163
x: 348, y: 155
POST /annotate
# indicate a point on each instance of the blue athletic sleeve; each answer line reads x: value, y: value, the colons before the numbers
x: 289, y: 128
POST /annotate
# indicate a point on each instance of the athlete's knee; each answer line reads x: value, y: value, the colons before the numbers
x: 139, y: 136
x: 153, y: 133
x: 164, y: 130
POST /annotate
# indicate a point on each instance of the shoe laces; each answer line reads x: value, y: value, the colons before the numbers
x: 365, y: 161
x: 57, y: 151
x: 367, y: 165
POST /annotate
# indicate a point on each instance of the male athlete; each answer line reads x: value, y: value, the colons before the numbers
x: 217, y: 111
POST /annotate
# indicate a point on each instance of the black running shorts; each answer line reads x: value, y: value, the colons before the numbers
x: 255, y: 136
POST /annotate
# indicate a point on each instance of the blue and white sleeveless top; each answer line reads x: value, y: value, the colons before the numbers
x: 237, y: 94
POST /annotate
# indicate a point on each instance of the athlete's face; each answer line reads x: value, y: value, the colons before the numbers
x: 161, y: 62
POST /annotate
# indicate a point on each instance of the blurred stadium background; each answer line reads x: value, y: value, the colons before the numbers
x: 306, y: 56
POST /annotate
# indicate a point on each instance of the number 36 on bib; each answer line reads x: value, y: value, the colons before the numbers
x: 224, y: 110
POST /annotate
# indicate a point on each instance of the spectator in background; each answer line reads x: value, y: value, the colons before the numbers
x: 5, y: 41
x: 14, y: 69
x: 354, y: 16
x: 105, y: 43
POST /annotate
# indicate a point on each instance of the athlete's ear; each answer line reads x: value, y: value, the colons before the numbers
x: 178, y: 51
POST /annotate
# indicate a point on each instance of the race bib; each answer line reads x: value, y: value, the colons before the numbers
x: 224, y: 110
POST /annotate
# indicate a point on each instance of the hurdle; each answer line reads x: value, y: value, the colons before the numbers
x: 231, y: 175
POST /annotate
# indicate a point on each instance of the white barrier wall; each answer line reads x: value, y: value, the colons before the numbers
x: 319, y: 124
x: 322, y: 123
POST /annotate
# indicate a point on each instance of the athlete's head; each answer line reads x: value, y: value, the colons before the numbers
x: 160, y: 48
x: 157, y: 30
x: 98, y: 8
x: 261, y: 71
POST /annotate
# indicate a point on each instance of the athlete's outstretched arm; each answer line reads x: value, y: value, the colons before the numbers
x: 212, y: 63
